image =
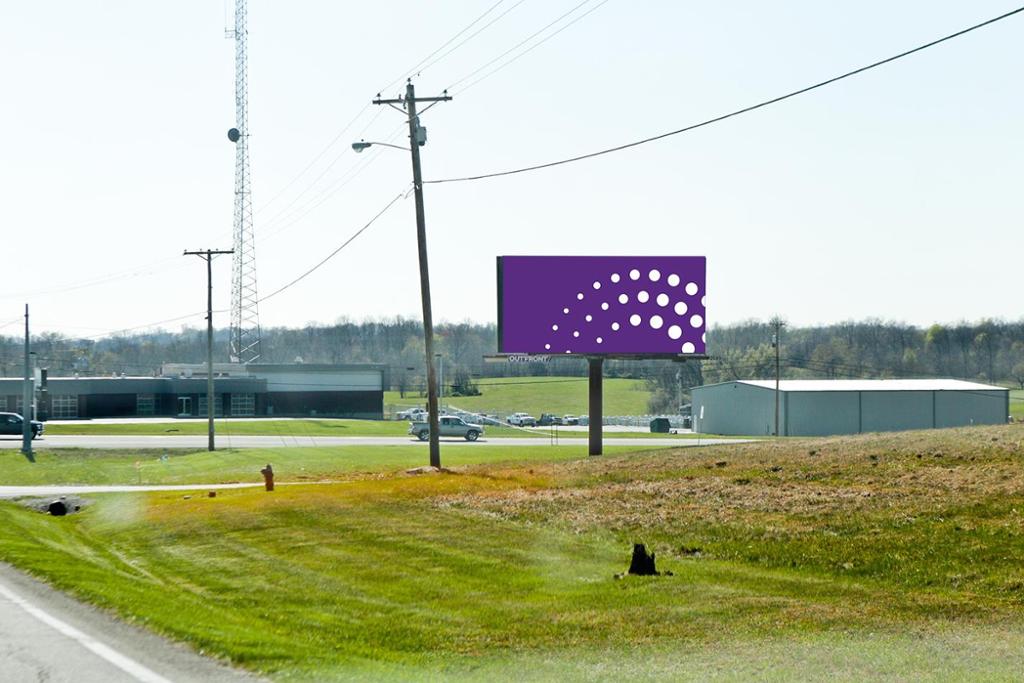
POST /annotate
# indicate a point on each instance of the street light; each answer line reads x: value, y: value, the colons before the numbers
x: 363, y: 144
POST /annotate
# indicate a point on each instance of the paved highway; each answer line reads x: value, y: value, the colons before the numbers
x: 224, y: 441
x: 47, y: 636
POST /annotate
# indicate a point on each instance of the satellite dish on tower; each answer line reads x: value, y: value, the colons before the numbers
x: 233, y: 135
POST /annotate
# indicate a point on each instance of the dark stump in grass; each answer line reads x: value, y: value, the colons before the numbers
x: 642, y: 563
x: 57, y: 508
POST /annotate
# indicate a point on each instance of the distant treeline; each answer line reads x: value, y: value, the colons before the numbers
x: 990, y: 351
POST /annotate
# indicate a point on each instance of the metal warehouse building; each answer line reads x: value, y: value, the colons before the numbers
x: 824, y: 407
x: 355, y: 391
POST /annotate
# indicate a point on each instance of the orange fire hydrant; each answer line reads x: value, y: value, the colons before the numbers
x: 268, y: 477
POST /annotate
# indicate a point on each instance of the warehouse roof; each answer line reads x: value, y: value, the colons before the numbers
x: 872, y: 385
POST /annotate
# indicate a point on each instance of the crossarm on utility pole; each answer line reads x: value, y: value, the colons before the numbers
x: 207, y: 255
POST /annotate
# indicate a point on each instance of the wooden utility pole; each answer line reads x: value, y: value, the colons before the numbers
x: 207, y: 255
x: 777, y: 325
x: 26, y: 400
x: 417, y: 138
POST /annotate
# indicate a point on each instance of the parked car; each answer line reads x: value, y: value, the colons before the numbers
x: 11, y: 423
x: 449, y: 426
x: 547, y: 419
x: 522, y: 420
x: 412, y: 414
x: 570, y: 420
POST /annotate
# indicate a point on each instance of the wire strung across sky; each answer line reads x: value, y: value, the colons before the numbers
x: 732, y: 114
x: 523, y: 42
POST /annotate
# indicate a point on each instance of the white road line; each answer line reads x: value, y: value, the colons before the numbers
x: 126, y: 664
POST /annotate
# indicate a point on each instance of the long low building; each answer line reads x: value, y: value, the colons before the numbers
x: 825, y: 407
x: 294, y: 390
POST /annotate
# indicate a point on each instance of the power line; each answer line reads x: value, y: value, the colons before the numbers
x: 738, y: 112
x: 315, y: 159
x: 334, y: 253
x: 448, y: 42
x: 523, y: 42
x: 467, y: 39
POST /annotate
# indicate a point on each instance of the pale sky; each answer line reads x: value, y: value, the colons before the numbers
x: 895, y: 194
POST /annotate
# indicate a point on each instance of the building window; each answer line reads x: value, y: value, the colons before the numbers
x: 218, y: 405
x: 243, y: 404
x: 63, y: 405
x: 145, y: 404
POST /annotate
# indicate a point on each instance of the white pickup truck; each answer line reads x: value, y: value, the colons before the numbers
x: 412, y: 414
x: 449, y: 426
x: 522, y: 420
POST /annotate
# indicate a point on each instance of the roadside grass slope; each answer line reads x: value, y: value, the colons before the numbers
x: 897, y: 556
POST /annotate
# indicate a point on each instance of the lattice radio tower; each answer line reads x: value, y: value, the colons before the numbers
x: 245, y: 317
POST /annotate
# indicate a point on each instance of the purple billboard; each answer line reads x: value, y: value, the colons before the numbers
x: 601, y: 305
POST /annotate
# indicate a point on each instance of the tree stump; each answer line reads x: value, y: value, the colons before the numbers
x: 642, y: 563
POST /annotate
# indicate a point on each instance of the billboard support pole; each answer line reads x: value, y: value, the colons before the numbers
x: 596, y: 409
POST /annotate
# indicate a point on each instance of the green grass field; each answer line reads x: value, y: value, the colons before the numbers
x: 897, y: 556
x: 287, y: 429
x: 283, y: 428
x: 536, y: 395
x: 1017, y: 404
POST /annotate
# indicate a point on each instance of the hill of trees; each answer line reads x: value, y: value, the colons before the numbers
x: 989, y: 350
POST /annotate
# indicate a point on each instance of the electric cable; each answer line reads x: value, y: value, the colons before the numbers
x: 448, y: 42
x: 468, y: 38
x: 523, y: 42
x: 732, y: 114
x: 334, y: 253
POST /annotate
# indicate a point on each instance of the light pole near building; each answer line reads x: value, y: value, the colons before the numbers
x: 26, y: 400
x: 440, y: 379
x: 207, y: 255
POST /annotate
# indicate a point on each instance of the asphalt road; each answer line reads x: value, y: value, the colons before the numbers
x: 224, y: 441
x: 47, y: 636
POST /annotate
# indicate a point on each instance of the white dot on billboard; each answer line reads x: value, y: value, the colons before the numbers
x: 615, y: 277
x: 675, y: 332
x: 604, y: 306
x: 568, y: 351
x: 600, y: 341
x: 634, y: 320
x: 634, y: 274
x: 589, y: 317
x: 655, y: 275
x: 623, y: 298
x: 576, y: 333
x: 597, y: 285
x: 673, y: 280
x: 555, y: 328
x: 663, y: 300
x: 565, y: 310
x: 696, y: 321
x: 681, y: 308
x: 691, y: 288
x: 642, y: 297
x: 580, y: 296
x: 688, y: 347
x: 703, y: 301
x: 615, y: 326
x: 657, y: 322
x: 547, y: 347
x: 704, y: 337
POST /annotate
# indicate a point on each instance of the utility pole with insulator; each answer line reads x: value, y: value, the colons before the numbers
x: 418, y: 138
x: 207, y: 255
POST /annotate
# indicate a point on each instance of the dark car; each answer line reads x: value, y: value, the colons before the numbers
x: 547, y: 419
x: 10, y: 423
